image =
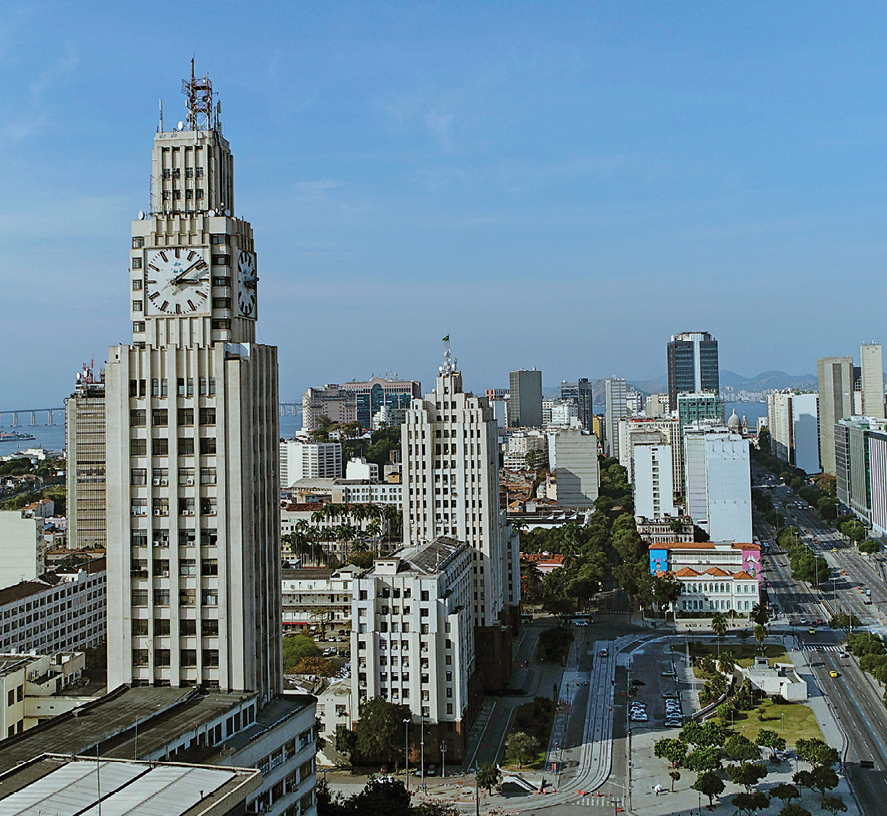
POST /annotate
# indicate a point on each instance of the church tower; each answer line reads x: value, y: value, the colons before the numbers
x: 192, y: 434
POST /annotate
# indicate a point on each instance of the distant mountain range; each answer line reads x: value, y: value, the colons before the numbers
x: 765, y: 381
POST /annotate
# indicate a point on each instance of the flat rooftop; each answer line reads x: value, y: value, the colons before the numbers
x: 68, y: 786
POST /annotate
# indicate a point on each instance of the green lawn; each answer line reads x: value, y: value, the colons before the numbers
x: 536, y: 719
x: 798, y: 722
x: 744, y: 654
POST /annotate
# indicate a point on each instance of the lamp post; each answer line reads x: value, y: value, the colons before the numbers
x: 406, y: 751
x: 476, y: 792
x: 443, y: 759
x: 422, y: 746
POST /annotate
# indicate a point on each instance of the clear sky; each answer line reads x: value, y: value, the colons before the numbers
x: 554, y: 184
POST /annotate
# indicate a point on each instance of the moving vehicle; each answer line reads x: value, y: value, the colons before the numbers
x: 833, y: 673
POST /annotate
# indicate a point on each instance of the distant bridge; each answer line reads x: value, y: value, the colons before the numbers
x: 11, y: 418
x: 290, y: 408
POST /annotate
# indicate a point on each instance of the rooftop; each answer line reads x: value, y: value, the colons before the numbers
x: 432, y: 557
x: 703, y: 545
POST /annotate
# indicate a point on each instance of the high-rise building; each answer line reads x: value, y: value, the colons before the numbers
x: 451, y: 488
x: 191, y: 409
x: 861, y: 464
x: 653, y: 486
x: 574, y: 462
x: 835, y: 403
x: 525, y: 401
x: 793, y: 423
x: 309, y: 460
x: 580, y: 393
x: 359, y: 401
x: 616, y: 398
x: 871, y: 363
x: 85, y: 462
x: 692, y: 365
x: 718, y: 482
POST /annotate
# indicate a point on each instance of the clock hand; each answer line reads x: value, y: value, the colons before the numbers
x: 181, y: 275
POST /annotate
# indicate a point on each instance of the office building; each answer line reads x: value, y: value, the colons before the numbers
x: 574, y: 467
x: 525, y: 400
x: 861, y: 469
x: 718, y: 482
x: 560, y: 414
x: 793, y: 423
x: 23, y: 547
x: 692, y: 365
x: 85, y: 462
x: 653, y: 485
x: 309, y: 460
x: 616, y: 397
x: 451, y: 488
x: 192, y: 437
x: 835, y: 403
x: 871, y: 363
x: 358, y: 401
x: 580, y: 393
x: 413, y: 640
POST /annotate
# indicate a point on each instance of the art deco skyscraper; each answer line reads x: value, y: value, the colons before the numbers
x: 192, y: 435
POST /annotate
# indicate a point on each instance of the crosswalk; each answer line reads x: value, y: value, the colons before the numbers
x: 597, y: 801
x: 826, y: 647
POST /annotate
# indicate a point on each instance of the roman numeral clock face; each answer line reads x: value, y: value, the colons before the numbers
x: 176, y: 281
x: 246, y: 284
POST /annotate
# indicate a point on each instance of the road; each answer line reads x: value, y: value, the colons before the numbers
x: 853, y: 697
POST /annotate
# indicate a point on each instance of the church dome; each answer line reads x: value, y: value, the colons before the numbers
x: 734, y: 423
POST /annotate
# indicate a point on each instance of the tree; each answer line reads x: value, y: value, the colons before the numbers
x: 315, y: 665
x: 530, y: 459
x: 346, y: 740
x: 296, y: 648
x: 675, y: 777
x: 381, y: 799
x: 816, y: 752
x: 750, y: 803
x: 869, y: 547
x: 760, y: 614
x: 741, y: 749
x: 761, y: 635
x: 704, y: 759
x: 748, y: 774
x: 488, y: 777
x: 710, y: 785
x: 833, y: 804
x: 380, y: 728
x: 784, y: 791
x: 674, y: 750
x: 794, y: 809
x: 719, y: 626
x: 521, y: 747
x: 771, y: 740
x: 824, y: 778
x: 726, y: 662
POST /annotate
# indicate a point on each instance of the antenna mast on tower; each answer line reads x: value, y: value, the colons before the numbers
x: 199, y: 94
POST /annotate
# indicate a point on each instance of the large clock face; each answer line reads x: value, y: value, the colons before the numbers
x: 176, y: 281
x: 246, y: 284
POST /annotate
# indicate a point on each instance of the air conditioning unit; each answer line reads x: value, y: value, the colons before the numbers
x: 188, y: 513
x: 164, y: 481
x: 156, y: 482
x: 157, y: 513
x: 190, y: 482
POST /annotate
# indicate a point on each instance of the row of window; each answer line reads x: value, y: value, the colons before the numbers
x: 208, y: 537
x: 187, y: 657
x: 187, y: 566
x: 718, y: 588
x: 160, y: 446
x: 208, y: 628
x: 185, y: 507
x: 184, y: 387
x: 160, y: 416
x: 160, y: 476
x: 175, y: 172
x: 187, y: 597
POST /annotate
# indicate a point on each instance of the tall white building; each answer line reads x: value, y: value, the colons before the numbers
x: 871, y: 363
x: 575, y: 466
x: 653, y: 483
x: 451, y: 488
x: 793, y: 422
x: 309, y: 460
x: 412, y: 639
x: 718, y: 480
x: 616, y: 397
x: 192, y: 436
x: 23, y: 547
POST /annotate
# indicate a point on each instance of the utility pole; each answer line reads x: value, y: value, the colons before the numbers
x: 406, y: 751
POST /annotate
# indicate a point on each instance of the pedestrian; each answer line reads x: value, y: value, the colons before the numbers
x: 658, y: 789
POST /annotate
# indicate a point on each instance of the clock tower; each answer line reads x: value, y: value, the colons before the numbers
x: 192, y: 434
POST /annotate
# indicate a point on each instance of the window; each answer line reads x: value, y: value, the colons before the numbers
x: 139, y: 476
x: 160, y: 447
x: 161, y: 657
x: 161, y: 597
x: 207, y: 476
x: 208, y: 506
x: 208, y: 445
x: 139, y: 657
x: 210, y: 657
x: 208, y: 537
x: 221, y: 325
x: 186, y: 416
x: 160, y: 417
x: 187, y: 566
x: 221, y: 280
x: 139, y: 507
x: 161, y: 627
x: 186, y: 446
x: 222, y: 303
x: 424, y: 595
x: 138, y: 242
x: 137, y: 285
x: 138, y: 447
x: 207, y: 416
x: 212, y: 386
x: 202, y: 383
x: 139, y: 626
x: 161, y: 566
x: 209, y: 628
x: 209, y: 566
x: 210, y: 597
x: 221, y: 260
x: 138, y: 326
x: 140, y: 597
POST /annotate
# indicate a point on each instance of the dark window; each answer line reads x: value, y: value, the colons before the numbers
x: 160, y: 416
x: 186, y: 416
x: 160, y: 447
x: 138, y: 447
x: 207, y: 416
x: 208, y: 445
x: 186, y: 446
x: 137, y: 417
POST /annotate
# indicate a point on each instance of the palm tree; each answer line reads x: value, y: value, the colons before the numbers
x: 374, y: 529
x: 726, y: 663
x: 719, y: 627
x: 760, y: 635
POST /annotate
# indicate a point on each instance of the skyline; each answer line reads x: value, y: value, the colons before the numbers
x: 416, y: 171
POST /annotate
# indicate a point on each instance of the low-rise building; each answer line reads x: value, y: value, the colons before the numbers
x: 318, y: 599
x: 665, y: 530
x: 778, y: 680
x: 715, y: 576
x: 412, y: 640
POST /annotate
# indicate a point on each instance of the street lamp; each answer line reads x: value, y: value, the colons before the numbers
x: 443, y: 759
x: 406, y: 750
x: 422, y: 746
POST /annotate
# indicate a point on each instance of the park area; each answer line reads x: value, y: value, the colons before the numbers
x: 527, y: 741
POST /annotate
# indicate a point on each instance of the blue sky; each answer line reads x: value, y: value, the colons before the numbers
x: 553, y: 184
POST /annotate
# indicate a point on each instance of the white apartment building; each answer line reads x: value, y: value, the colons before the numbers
x: 318, y: 599
x: 361, y: 470
x: 522, y: 442
x: 616, y: 397
x: 62, y: 611
x: 451, y: 488
x: 718, y: 481
x: 646, y: 430
x: 23, y: 547
x: 653, y: 484
x: 560, y: 413
x: 793, y: 422
x: 871, y: 364
x: 346, y: 491
x: 574, y: 465
x: 309, y: 460
x: 412, y: 638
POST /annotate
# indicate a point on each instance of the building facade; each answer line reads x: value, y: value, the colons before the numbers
x: 23, y: 547
x: 835, y: 403
x: 85, y: 462
x: 871, y: 364
x: 192, y: 436
x: 580, y: 392
x: 793, y: 422
x: 413, y: 643
x: 358, y: 401
x: 616, y: 398
x: 692, y: 365
x: 653, y: 485
x: 574, y: 463
x: 309, y: 460
x: 525, y: 399
x: 861, y: 465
